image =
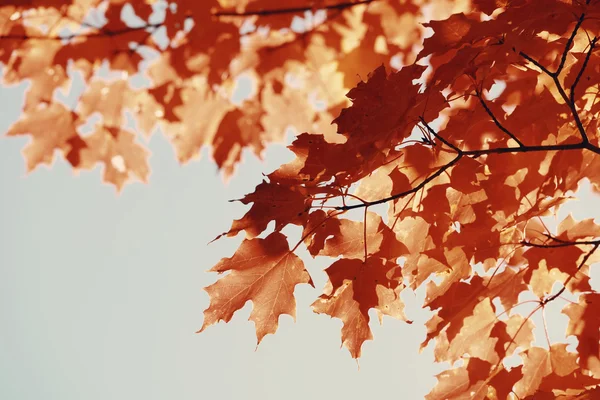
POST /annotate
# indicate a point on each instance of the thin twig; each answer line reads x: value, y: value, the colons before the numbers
x: 569, y: 44
x: 581, y: 264
x: 365, y: 232
x: 475, y: 154
x: 563, y: 244
x: 402, y: 194
x: 440, y: 138
x: 583, y: 67
x: 290, y: 10
x: 555, y: 78
x: 496, y: 122
x: 101, y: 33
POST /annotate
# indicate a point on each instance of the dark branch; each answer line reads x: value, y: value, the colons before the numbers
x: 581, y: 264
x: 583, y: 67
x: 291, y: 10
x: 561, y: 244
x: 563, y: 59
x: 496, y: 122
x: 555, y: 75
x: 537, y: 64
x: 563, y: 94
x: 554, y: 238
x: 583, y: 145
x: 99, y: 33
x: 532, y: 149
x: 434, y: 133
x: 474, y: 154
x: 407, y: 192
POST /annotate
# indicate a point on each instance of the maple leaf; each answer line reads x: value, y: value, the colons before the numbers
x: 238, y: 124
x: 470, y: 338
x: 570, y: 229
x: 348, y: 238
x: 117, y: 150
x: 263, y: 271
x: 539, y: 363
x: 584, y: 324
x: 465, y: 382
x: 272, y: 202
x: 505, y: 286
x: 51, y: 126
x: 355, y: 286
x: 450, y: 33
x: 367, y: 113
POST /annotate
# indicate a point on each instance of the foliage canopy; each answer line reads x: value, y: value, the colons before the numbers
x: 469, y: 128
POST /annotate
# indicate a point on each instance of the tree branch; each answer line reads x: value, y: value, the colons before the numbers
x: 561, y: 244
x: 402, y: 194
x: 291, y: 10
x: 583, y: 67
x: 474, y: 154
x: 434, y: 133
x: 496, y: 122
x: 555, y: 75
x: 536, y: 63
x: 563, y: 59
x: 581, y: 264
x: 100, y: 33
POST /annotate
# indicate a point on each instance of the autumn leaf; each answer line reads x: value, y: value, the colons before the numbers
x: 354, y: 287
x: 584, y: 324
x: 349, y: 239
x: 263, y: 271
x: 117, y: 150
x: 271, y: 201
x: 465, y: 382
x: 539, y: 363
x: 51, y: 127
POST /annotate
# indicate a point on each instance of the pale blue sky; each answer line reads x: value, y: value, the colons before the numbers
x: 100, y: 295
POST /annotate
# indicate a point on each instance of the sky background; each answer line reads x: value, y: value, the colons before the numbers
x: 101, y: 295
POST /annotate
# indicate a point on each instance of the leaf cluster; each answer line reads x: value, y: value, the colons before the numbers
x: 228, y: 74
x: 469, y: 136
x: 470, y: 147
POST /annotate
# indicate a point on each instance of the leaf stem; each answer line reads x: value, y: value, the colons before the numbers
x: 581, y: 264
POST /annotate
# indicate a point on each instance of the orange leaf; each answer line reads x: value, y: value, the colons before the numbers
x: 354, y: 288
x: 263, y: 271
